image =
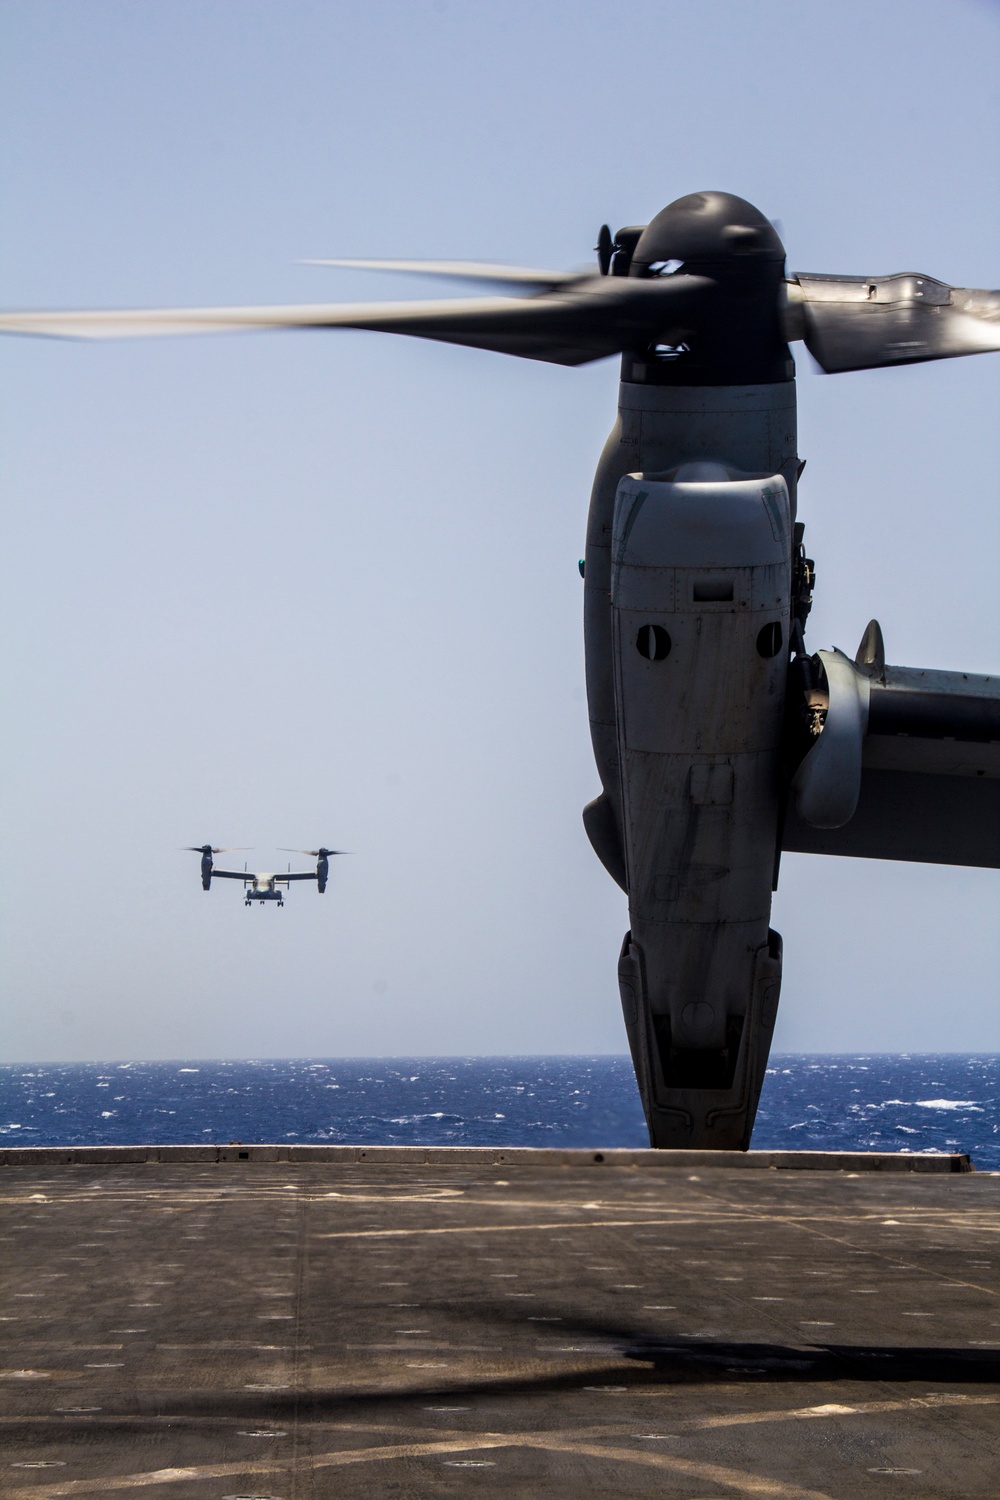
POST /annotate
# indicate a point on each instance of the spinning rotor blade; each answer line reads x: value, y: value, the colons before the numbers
x: 699, y: 291
x: 589, y: 319
x: 315, y: 853
x: 209, y: 849
x: 466, y: 270
x: 864, y: 323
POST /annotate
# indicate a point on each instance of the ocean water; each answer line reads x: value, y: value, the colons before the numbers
x: 925, y: 1102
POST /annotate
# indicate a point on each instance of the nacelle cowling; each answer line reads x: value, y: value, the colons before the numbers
x: 701, y: 607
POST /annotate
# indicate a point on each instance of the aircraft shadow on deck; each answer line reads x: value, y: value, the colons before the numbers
x: 709, y: 1362
x: 706, y: 1358
x: 674, y: 1360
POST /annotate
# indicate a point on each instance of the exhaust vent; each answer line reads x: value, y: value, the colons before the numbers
x: 713, y: 591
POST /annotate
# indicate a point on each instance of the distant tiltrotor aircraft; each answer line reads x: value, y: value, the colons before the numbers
x: 719, y: 739
x: 263, y: 886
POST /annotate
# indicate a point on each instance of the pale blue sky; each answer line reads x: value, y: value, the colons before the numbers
x: 289, y: 589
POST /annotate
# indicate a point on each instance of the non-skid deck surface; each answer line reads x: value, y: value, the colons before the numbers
x: 337, y: 1329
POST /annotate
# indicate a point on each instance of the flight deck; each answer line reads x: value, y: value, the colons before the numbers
x: 298, y: 1322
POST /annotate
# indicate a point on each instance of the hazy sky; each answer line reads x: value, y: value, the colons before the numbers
x: 303, y: 588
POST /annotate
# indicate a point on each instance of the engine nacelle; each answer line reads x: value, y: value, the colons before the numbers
x: 701, y: 610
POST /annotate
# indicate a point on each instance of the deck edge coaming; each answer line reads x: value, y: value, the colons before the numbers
x: 506, y: 1156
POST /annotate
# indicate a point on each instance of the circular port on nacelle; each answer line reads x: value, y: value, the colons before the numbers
x: 653, y: 642
x: 769, y: 639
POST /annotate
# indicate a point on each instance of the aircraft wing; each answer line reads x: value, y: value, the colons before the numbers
x: 866, y: 322
x: 930, y: 774
x: 231, y: 875
x: 295, y: 875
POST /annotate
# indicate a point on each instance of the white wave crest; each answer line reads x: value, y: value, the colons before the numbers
x: 948, y: 1104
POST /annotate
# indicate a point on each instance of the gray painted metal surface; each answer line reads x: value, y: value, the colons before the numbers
x: 925, y: 765
x: 689, y: 745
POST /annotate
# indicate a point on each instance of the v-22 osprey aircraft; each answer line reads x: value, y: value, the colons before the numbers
x: 720, y: 740
x: 263, y: 886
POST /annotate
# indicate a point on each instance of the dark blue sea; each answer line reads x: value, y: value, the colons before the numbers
x: 927, y: 1102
